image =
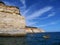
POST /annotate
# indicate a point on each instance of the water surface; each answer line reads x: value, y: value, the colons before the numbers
x: 33, y: 39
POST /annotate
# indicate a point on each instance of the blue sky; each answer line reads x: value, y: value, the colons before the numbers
x: 43, y: 14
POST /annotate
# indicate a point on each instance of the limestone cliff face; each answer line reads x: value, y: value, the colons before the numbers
x: 33, y: 30
x: 10, y: 18
x: 11, y: 22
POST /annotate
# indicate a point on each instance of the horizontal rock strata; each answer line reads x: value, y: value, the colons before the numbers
x: 12, y: 23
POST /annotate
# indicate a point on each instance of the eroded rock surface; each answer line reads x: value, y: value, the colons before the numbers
x: 10, y: 18
x: 11, y: 21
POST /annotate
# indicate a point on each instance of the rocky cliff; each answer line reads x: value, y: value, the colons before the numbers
x: 33, y: 29
x: 10, y: 18
x: 12, y: 22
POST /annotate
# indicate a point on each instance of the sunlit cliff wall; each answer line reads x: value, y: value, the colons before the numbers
x: 11, y: 21
x: 10, y: 18
x: 33, y: 30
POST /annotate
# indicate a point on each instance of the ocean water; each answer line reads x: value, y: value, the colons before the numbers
x: 48, y: 38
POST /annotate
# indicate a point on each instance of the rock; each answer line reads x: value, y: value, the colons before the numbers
x: 12, y: 23
x: 10, y: 18
x: 33, y: 30
x: 46, y: 36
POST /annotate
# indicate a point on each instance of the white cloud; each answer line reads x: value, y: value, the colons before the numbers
x: 48, y: 16
x: 52, y: 14
x: 44, y: 25
x: 23, y: 2
x: 29, y: 9
x: 51, y: 23
x: 39, y: 12
x: 31, y: 23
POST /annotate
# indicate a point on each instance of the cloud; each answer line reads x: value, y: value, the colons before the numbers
x: 39, y: 12
x: 44, y: 25
x: 23, y: 2
x: 51, y: 23
x: 31, y: 23
x: 52, y: 14
x: 26, y: 12
x: 36, y: 14
x: 48, y: 16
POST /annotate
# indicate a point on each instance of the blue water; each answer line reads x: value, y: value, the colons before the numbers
x: 38, y: 39
x: 33, y: 39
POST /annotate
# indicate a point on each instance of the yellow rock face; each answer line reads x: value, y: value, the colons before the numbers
x: 11, y: 22
x: 33, y: 30
x: 10, y: 18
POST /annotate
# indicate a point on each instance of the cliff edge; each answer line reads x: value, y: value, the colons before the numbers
x: 11, y: 21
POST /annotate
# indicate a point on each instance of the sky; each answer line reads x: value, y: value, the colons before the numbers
x: 44, y: 14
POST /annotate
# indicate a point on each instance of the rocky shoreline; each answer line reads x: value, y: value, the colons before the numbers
x: 21, y: 32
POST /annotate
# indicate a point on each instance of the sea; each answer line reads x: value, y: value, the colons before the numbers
x: 47, y: 38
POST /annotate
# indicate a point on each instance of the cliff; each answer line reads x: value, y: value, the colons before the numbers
x: 33, y: 29
x: 11, y: 21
